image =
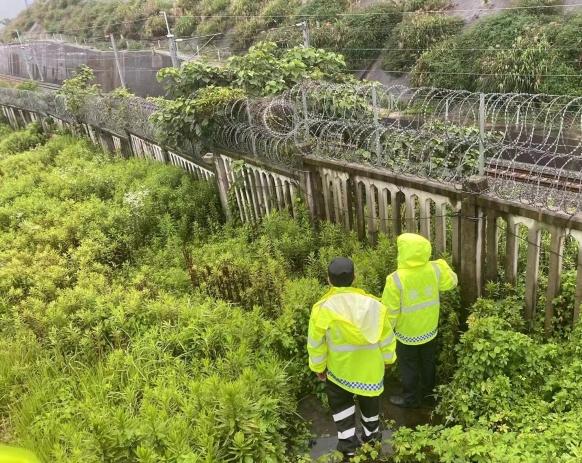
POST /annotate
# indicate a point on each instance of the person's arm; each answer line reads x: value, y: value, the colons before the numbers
x: 447, y: 277
x: 388, y: 342
x: 316, y: 344
x: 391, y: 299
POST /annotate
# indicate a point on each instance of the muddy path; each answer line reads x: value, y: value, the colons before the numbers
x: 323, y: 429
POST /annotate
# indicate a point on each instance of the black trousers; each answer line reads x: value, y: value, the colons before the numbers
x: 417, y: 366
x: 343, y: 407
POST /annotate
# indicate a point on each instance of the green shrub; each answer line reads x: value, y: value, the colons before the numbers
x: 511, y: 399
x: 538, y: 49
x: 540, y: 6
x: 31, y: 86
x: 322, y: 10
x: 23, y: 140
x: 234, y: 271
x: 363, y: 34
x: 186, y: 26
x: 425, y: 5
x: 416, y: 33
x: 96, y: 302
x: 292, y: 240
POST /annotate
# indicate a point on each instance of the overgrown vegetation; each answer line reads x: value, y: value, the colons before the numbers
x: 512, y: 398
x: 508, y: 52
x: 137, y: 327
x: 201, y: 92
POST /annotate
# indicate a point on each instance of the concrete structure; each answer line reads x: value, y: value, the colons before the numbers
x: 57, y: 61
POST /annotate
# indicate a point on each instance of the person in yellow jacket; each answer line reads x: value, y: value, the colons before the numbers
x: 16, y: 455
x: 350, y: 342
x: 412, y: 298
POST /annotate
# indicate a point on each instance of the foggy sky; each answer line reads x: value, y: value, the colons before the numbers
x: 10, y: 8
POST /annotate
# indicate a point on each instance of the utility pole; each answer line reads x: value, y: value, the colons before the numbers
x: 26, y: 57
x: 117, y: 62
x: 35, y: 59
x: 481, y: 134
x: 171, y: 43
x: 305, y: 28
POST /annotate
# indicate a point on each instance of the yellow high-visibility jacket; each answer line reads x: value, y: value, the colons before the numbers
x: 350, y: 336
x: 16, y: 455
x: 412, y: 292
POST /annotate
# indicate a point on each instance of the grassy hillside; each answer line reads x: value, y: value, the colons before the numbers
x: 532, y: 48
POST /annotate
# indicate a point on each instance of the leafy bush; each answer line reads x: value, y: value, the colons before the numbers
x: 322, y: 10
x: 24, y: 140
x: 266, y: 70
x: 544, y: 6
x: 511, y: 398
x: 30, y: 85
x: 358, y: 37
x: 191, y: 119
x: 105, y: 352
x: 234, y: 271
x: 538, y: 50
x: 292, y: 240
x: 79, y: 88
x: 367, y: 32
x: 416, y: 33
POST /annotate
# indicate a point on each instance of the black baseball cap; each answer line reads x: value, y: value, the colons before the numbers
x: 341, y: 272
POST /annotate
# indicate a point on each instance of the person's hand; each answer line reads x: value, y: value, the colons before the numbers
x: 322, y: 376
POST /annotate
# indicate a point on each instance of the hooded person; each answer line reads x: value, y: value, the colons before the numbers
x: 350, y: 343
x: 412, y: 296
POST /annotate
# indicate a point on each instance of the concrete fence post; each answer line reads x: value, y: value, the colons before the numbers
x: 222, y: 182
x: 306, y: 187
x: 472, y: 243
x: 117, y: 61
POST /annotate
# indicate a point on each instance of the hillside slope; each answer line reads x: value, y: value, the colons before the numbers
x: 503, y: 45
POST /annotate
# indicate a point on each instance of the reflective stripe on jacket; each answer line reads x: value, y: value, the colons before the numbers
x: 412, y: 292
x: 350, y: 336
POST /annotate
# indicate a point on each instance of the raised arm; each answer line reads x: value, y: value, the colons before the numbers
x: 447, y: 277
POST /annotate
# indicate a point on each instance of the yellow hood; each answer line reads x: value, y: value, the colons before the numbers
x: 413, y: 250
x: 356, y: 309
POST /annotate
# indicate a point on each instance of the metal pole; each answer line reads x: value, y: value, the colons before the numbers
x: 481, y: 134
x: 117, y: 62
x: 26, y: 57
x: 250, y: 119
x: 171, y: 43
x: 35, y: 59
x: 376, y: 122
x: 305, y: 114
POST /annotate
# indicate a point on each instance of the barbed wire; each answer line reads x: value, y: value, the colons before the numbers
x: 529, y: 146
